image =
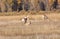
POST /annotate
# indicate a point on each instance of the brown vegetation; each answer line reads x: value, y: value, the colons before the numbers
x: 14, y: 27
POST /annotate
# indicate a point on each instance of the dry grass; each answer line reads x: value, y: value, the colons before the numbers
x: 26, y: 13
x: 16, y: 27
x: 12, y: 27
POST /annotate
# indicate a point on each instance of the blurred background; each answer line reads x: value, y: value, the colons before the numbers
x: 29, y: 5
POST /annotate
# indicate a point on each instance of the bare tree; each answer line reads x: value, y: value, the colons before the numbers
x: 26, y: 5
x: 2, y: 5
x: 8, y: 6
x: 14, y: 5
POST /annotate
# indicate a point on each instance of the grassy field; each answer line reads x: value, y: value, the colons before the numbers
x: 27, y: 13
x: 11, y: 26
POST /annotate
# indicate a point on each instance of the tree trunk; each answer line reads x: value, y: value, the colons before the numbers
x: 2, y: 5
